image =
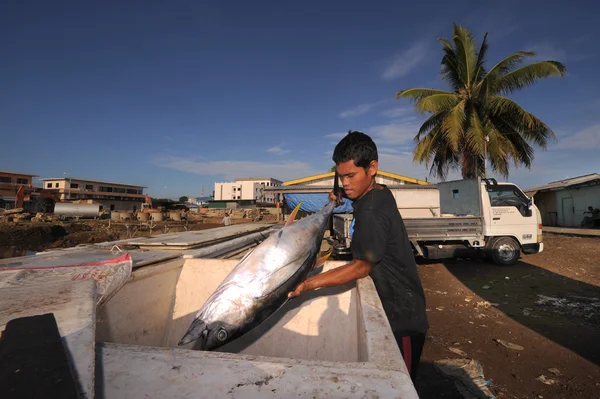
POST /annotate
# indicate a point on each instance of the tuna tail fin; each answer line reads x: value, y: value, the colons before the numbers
x: 292, y: 216
x: 322, y: 260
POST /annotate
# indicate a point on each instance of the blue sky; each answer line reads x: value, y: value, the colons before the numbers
x: 177, y: 95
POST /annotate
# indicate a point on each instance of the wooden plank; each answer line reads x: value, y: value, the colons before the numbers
x: 193, y: 239
x: 74, y: 307
x: 33, y: 362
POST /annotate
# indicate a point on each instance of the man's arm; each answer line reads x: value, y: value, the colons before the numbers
x: 354, y: 270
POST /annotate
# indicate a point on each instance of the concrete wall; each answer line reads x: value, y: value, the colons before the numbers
x: 139, y: 313
x: 571, y: 203
x: 246, y: 190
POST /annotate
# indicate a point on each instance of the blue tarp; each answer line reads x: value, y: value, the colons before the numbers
x: 314, y: 202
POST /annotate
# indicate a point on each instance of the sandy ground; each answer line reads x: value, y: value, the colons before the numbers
x: 549, y: 304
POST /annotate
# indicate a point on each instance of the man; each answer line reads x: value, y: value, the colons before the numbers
x: 380, y: 248
x: 226, y: 219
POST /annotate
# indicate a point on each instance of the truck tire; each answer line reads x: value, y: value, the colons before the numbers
x: 505, y: 251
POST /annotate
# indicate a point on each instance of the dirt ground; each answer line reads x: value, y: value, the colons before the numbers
x: 18, y: 239
x: 548, y: 303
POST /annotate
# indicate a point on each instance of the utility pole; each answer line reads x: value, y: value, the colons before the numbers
x: 487, y: 139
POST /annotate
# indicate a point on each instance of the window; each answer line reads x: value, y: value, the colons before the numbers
x: 455, y: 194
x: 55, y: 185
x: 112, y: 207
x: 49, y: 185
x: 4, y: 179
x: 89, y: 187
x: 74, y: 185
x: 118, y: 190
x: 22, y: 181
x: 132, y: 191
x: 508, y: 195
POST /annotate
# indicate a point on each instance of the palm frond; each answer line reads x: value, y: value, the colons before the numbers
x: 526, y: 76
x: 453, y: 124
x: 431, y: 122
x: 416, y: 93
x: 465, y: 53
x: 437, y: 103
x: 475, y: 134
x: 450, y: 70
x: 506, y: 111
x: 479, y: 65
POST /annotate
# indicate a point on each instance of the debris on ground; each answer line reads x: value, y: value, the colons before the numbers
x: 457, y: 351
x: 486, y: 287
x: 509, y: 345
x: 468, y: 375
x: 578, y: 305
x: 548, y: 381
x: 554, y: 371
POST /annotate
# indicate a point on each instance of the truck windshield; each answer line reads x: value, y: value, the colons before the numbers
x: 509, y: 195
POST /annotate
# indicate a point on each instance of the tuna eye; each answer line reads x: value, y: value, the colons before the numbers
x: 222, y: 335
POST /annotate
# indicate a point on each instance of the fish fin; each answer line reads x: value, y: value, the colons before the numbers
x: 321, y: 260
x: 293, y: 214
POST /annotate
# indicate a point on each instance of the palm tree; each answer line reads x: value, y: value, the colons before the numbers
x: 476, y: 121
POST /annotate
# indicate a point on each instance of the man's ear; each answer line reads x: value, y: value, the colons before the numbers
x: 373, y: 168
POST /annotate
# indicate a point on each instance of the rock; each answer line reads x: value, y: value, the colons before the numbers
x: 548, y: 381
x: 509, y: 345
x: 457, y: 351
x: 14, y: 211
x: 21, y: 216
x: 554, y: 371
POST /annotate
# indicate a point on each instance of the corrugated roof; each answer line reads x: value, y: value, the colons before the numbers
x: 331, y: 174
x: 560, y: 184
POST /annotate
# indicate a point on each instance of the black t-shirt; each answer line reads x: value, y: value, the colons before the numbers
x: 380, y: 238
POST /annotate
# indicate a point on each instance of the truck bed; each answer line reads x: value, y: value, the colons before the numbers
x: 444, y: 228
x: 434, y: 228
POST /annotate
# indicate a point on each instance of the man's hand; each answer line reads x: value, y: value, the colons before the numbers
x: 336, y: 198
x: 299, y: 290
x: 352, y: 271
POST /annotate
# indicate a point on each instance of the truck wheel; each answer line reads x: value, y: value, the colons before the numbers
x: 505, y: 251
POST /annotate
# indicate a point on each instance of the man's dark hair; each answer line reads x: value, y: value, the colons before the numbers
x: 358, y: 147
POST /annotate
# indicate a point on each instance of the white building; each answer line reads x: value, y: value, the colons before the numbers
x: 110, y: 196
x: 247, y: 189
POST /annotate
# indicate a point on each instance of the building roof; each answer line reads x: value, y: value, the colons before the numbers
x: 255, y: 179
x: 593, y: 178
x: 331, y: 174
x: 92, y: 181
x: 17, y: 173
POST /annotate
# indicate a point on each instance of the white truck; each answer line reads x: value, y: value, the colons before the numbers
x: 455, y: 218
